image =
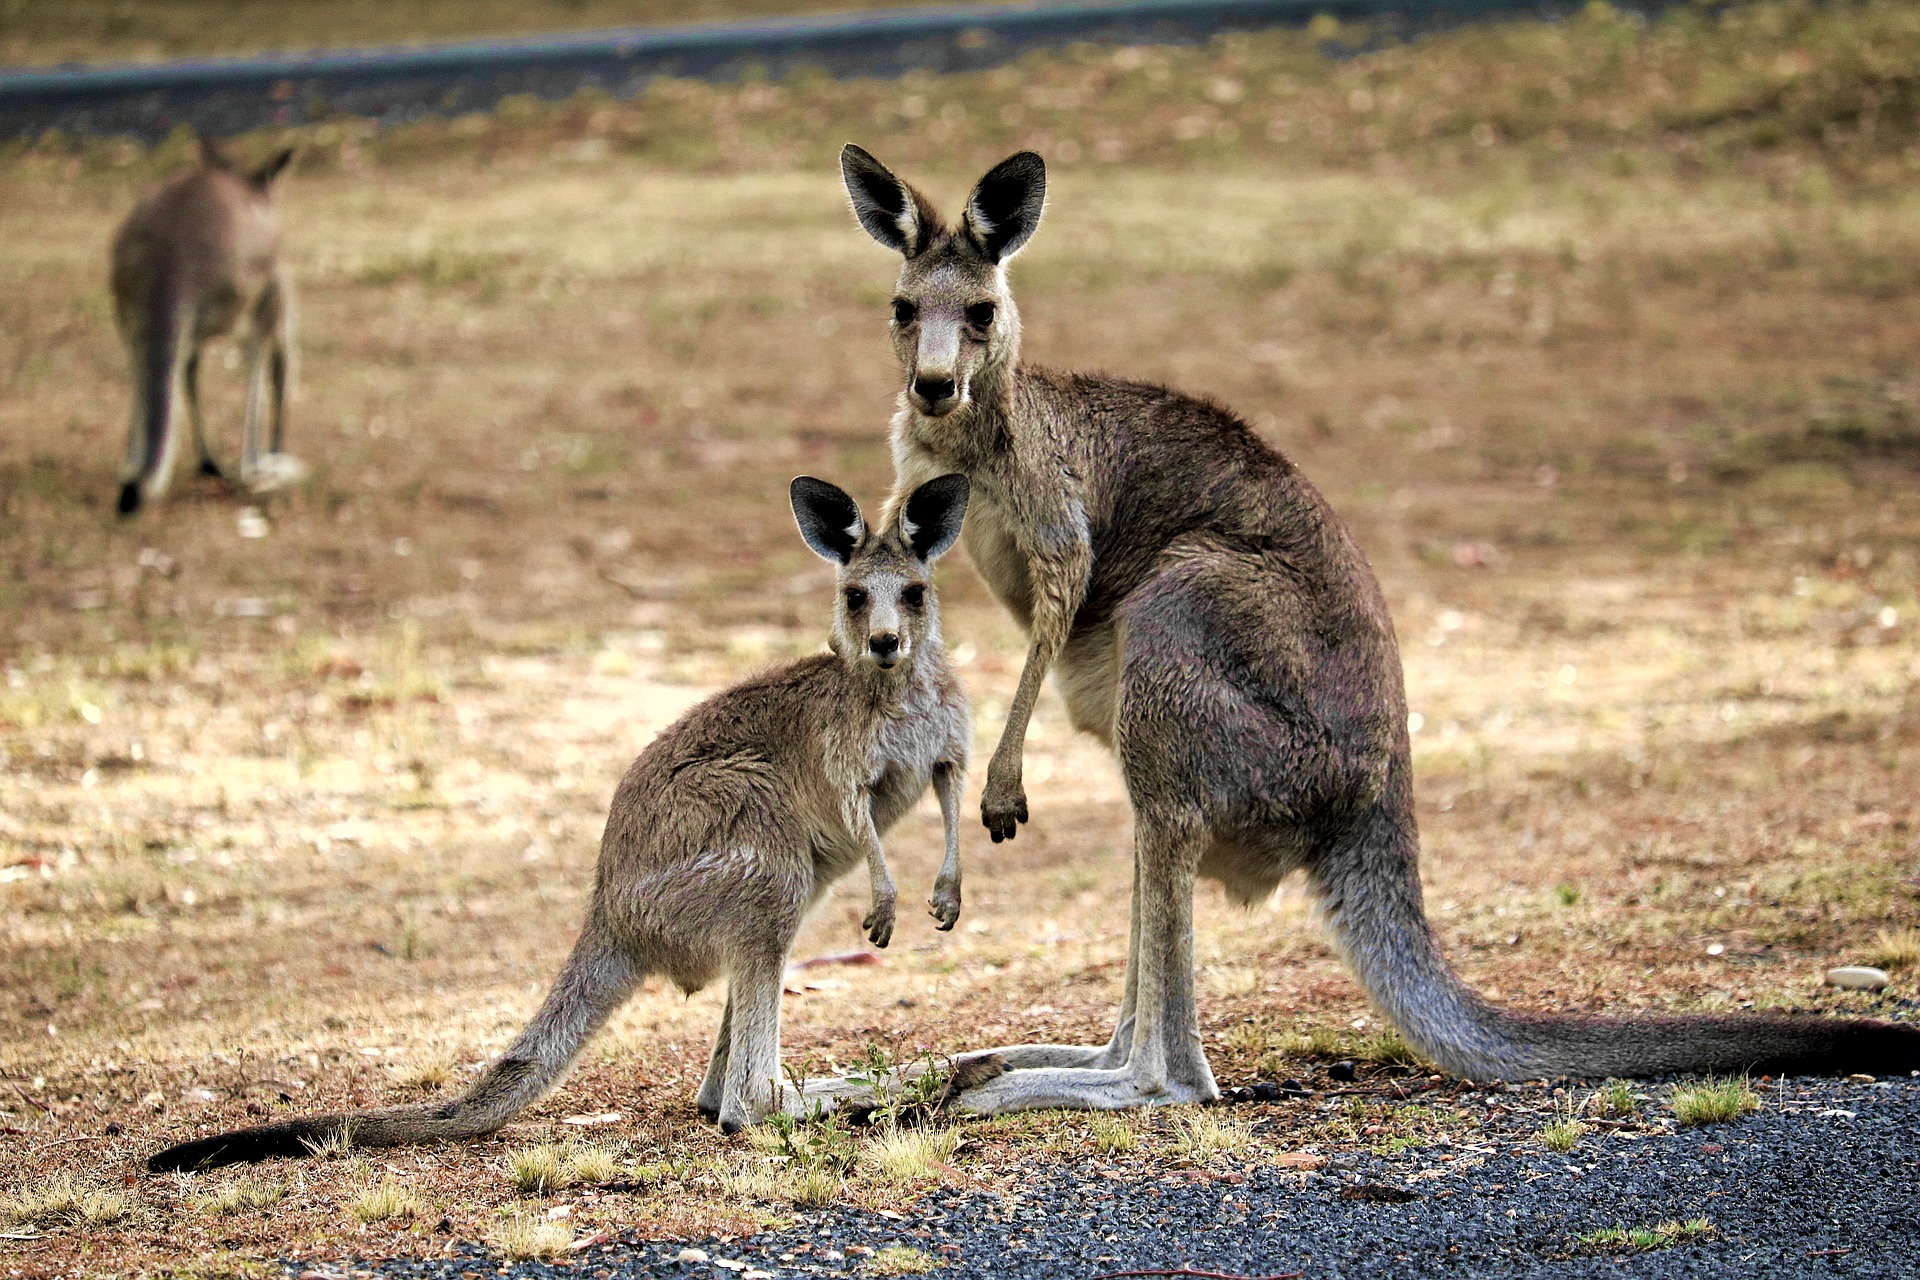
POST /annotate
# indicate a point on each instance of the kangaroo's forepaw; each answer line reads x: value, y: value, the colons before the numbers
x: 879, y: 923
x: 129, y: 498
x: 1003, y: 808
x: 208, y: 467
x: 944, y: 906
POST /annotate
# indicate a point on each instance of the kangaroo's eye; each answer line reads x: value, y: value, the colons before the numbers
x: 913, y: 596
x: 856, y: 599
x: 904, y: 312
x: 980, y: 315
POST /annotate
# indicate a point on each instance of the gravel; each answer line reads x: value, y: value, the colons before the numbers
x: 1823, y: 1181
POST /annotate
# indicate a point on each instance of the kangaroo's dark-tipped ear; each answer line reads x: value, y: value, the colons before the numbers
x: 212, y: 154
x: 930, y: 520
x: 892, y: 212
x: 829, y: 520
x: 263, y: 176
x: 1004, y: 209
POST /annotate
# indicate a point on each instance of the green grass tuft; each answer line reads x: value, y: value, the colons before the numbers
x: 1714, y: 1101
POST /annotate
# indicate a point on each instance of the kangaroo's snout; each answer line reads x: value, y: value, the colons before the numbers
x: 934, y: 395
x: 885, y: 647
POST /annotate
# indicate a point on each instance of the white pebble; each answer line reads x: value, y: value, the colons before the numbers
x: 692, y: 1255
x: 1858, y: 977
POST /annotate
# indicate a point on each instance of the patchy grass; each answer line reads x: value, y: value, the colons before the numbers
x: 554, y: 1166
x: 1713, y: 1101
x: 524, y: 1237
x: 1663, y: 1235
x: 1615, y: 1100
x: 1562, y: 1136
x: 242, y: 1195
x: 64, y: 1201
x: 386, y: 1202
x: 906, y: 1156
x: 1897, y: 949
x: 902, y: 1260
x: 1200, y: 1137
x: 1114, y: 1133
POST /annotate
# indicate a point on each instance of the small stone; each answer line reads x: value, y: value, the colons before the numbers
x: 1342, y: 1071
x: 692, y: 1255
x: 1859, y: 1077
x: 1858, y: 977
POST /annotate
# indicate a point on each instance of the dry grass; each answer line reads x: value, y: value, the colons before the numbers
x: 902, y: 1260
x: 385, y: 1202
x: 906, y: 1156
x: 242, y: 1195
x: 1897, y: 949
x: 63, y: 1200
x: 1625, y: 429
x: 1201, y: 1137
x: 525, y: 1237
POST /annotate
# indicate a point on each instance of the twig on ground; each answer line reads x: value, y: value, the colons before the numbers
x: 41, y: 1107
x: 1204, y: 1275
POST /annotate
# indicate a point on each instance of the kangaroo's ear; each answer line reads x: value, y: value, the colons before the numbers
x: 1004, y: 209
x: 892, y: 212
x: 263, y: 176
x: 930, y: 520
x: 829, y: 520
x: 212, y: 154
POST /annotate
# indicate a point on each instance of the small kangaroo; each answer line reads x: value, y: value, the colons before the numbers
x: 1211, y: 619
x: 200, y: 259
x: 726, y: 831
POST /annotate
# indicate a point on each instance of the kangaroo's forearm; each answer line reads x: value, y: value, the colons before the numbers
x: 948, y: 782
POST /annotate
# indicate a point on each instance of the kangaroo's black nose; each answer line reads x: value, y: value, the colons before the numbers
x: 934, y: 390
x: 884, y: 644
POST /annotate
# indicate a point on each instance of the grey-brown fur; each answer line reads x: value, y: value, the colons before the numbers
x: 727, y: 830
x: 1209, y: 617
x: 200, y: 259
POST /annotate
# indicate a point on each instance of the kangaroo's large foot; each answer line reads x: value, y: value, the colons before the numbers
x: 274, y: 471
x: 1092, y: 1090
x: 1026, y: 1057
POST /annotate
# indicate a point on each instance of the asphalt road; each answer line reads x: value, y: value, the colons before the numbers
x: 1823, y: 1181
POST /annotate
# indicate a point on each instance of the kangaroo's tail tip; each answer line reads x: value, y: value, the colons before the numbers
x: 241, y: 1146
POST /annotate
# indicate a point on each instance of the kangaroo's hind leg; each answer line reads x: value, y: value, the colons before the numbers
x: 713, y: 1087
x: 754, y: 1087
x: 191, y: 381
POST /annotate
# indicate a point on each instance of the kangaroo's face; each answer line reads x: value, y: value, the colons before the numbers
x: 952, y: 313
x: 885, y: 613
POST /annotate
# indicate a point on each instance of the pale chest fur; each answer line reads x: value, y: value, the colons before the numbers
x: 989, y: 531
x: 931, y: 727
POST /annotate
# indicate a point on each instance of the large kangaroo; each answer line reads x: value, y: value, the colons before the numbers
x: 726, y: 831
x: 1212, y: 621
x: 197, y: 260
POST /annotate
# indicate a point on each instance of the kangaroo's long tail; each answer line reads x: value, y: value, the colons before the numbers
x: 597, y: 979
x: 1369, y: 890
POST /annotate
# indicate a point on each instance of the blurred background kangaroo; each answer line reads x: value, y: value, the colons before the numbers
x: 199, y: 259
x: 1212, y: 620
x: 727, y: 831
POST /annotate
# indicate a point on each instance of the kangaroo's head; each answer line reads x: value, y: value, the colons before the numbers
x: 886, y: 614
x: 953, y: 317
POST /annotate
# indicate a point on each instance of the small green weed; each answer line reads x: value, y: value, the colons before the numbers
x: 1662, y: 1235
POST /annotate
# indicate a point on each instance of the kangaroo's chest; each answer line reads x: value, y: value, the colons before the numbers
x: 905, y: 750
x: 989, y: 534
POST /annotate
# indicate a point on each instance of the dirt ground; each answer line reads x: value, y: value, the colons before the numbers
x: 299, y: 797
